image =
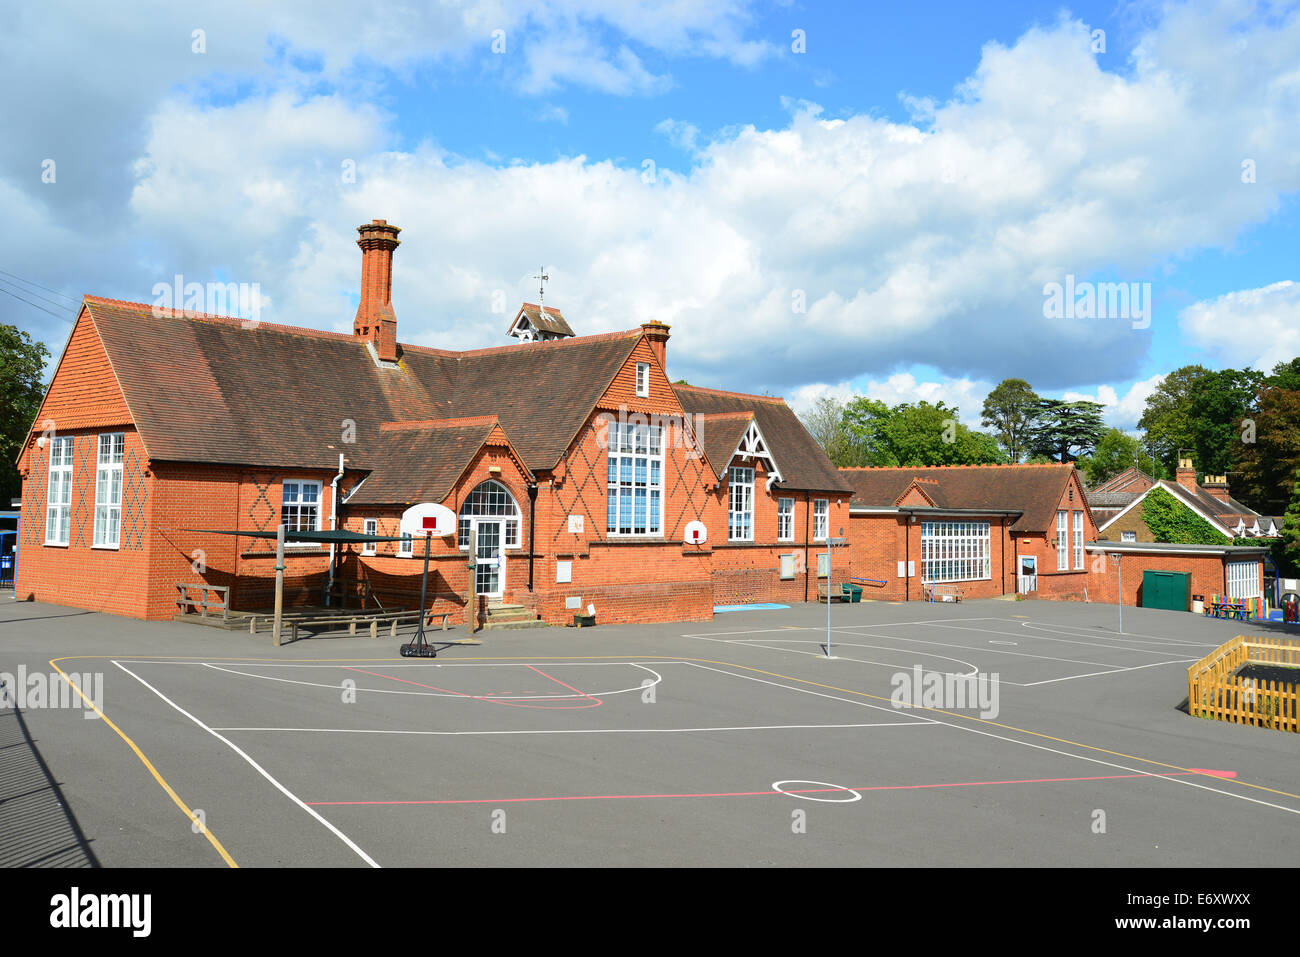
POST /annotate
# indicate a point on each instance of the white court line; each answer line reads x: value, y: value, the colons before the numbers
x: 385, y: 663
x: 850, y: 644
x: 945, y: 644
x: 1135, y: 637
x: 756, y: 727
x: 1043, y: 747
x: 818, y: 694
x: 761, y: 631
x: 257, y: 767
x: 1067, y: 641
x: 447, y: 694
x: 1154, y: 664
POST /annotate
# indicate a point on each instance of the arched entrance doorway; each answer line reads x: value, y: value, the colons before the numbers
x: 490, y: 515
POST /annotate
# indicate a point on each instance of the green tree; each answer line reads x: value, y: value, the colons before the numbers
x: 1115, y: 452
x: 1010, y: 410
x: 1290, y: 531
x: 1266, y: 451
x: 918, y: 434
x: 22, y: 368
x: 1200, y: 411
x: 1063, y: 430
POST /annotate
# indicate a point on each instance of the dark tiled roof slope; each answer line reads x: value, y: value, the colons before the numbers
x: 801, y: 460
x: 422, y: 463
x: 719, y: 434
x: 212, y: 389
x: 1034, y: 490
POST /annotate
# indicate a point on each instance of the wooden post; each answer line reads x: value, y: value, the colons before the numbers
x: 279, y: 582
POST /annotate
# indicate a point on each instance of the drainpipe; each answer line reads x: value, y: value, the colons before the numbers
x: 907, y: 557
x: 532, y: 513
x: 334, y: 524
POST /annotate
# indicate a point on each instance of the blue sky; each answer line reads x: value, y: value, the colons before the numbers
x: 913, y: 176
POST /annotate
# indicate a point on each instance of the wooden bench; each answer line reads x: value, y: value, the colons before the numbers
x: 943, y: 593
x: 837, y: 594
x: 393, y: 619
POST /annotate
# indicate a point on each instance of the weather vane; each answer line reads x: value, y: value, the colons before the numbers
x: 541, y: 278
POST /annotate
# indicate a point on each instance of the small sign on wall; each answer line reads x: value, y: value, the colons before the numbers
x: 563, y: 572
x: 575, y: 524
x: 573, y: 601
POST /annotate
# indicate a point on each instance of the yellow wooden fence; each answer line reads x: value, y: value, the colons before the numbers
x: 1216, y: 690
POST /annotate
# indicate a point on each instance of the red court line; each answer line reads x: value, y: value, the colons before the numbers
x: 724, y: 794
x: 513, y: 704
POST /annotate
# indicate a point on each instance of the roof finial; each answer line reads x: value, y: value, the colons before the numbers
x: 542, y: 279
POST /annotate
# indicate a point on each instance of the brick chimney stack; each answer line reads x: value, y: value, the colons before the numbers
x: 376, y: 322
x: 1186, y: 475
x: 1216, y: 485
x: 656, y: 334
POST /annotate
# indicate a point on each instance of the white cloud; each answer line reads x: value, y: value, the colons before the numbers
x: 1120, y: 413
x: 825, y: 250
x: 1249, y: 327
x: 966, y: 394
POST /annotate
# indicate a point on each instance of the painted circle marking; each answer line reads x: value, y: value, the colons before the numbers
x: 776, y: 786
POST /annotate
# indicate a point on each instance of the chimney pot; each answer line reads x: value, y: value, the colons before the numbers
x: 656, y: 333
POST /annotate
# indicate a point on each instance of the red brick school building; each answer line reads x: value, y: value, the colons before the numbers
x: 573, y: 463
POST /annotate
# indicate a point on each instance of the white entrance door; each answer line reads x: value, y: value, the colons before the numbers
x: 1028, y: 574
x: 490, y: 564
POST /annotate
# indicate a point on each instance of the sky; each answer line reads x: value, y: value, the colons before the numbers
x: 820, y: 198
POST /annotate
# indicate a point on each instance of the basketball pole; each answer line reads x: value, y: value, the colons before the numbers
x: 279, y: 581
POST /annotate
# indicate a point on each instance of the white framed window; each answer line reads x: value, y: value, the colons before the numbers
x: 785, y: 520
x: 740, y: 513
x: 58, y: 501
x: 955, y: 552
x: 493, y: 501
x: 300, y: 507
x: 1062, y: 555
x: 821, y: 519
x: 635, y: 482
x: 1128, y: 536
x: 108, y: 490
x: 1243, y: 580
x: 369, y: 526
x: 1078, y: 541
x: 787, y: 567
x: 406, y: 547
x: 643, y: 379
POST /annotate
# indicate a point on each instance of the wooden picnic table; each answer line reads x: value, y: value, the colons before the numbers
x: 1226, y: 608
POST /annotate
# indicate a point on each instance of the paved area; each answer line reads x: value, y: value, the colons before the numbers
x: 735, y: 741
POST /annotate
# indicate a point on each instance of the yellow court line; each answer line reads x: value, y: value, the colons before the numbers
x: 212, y: 838
x: 712, y: 661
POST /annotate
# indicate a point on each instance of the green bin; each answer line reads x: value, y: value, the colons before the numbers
x: 852, y: 593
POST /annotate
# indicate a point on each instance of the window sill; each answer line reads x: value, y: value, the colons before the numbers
x: 55, y: 544
x: 106, y: 548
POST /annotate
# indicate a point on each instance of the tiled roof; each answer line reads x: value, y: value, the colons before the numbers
x: 1033, y: 490
x: 1124, y: 482
x: 719, y: 434
x: 802, y: 462
x: 421, y: 461
x: 220, y: 390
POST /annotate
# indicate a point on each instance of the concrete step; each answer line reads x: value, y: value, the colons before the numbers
x: 513, y: 624
x: 504, y: 613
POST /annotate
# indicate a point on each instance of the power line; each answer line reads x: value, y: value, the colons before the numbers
x: 56, y: 305
x: 39, y: 286
x: 34, y: 305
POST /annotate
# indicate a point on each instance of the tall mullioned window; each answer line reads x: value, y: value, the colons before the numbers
x: 635, y: 480
x: 58, y: 501
x: 821, y: 519
x: 1062, y: 544
x: 108, y: 490
x: 785, y: 520
x: 955, y: 551
x: 740, y: 525
x: 1078, y: 541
